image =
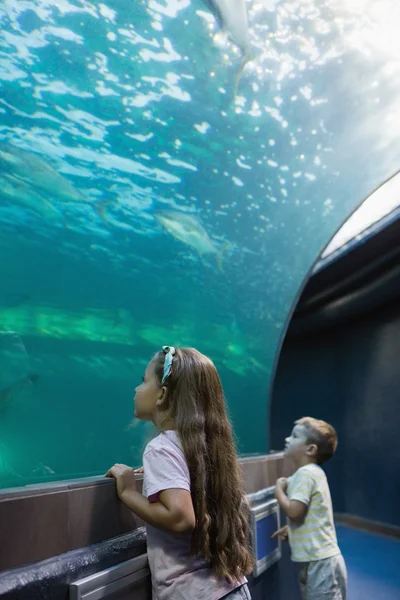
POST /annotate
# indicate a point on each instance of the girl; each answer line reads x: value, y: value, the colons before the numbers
x: 193, y: 501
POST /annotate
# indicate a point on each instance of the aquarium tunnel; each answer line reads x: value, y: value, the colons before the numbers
x: 205, y: 174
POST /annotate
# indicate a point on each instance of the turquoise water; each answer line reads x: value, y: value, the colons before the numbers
x: 142, y: 203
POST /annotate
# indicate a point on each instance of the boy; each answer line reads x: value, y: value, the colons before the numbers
x: 306, y: 500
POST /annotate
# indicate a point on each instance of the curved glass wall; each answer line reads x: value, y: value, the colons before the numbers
x: 143, y: 202
x: 379, y: 209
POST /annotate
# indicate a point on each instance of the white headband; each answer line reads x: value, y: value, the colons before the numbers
x: 169, y: 352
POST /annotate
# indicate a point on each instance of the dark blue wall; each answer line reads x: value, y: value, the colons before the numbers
x: 279, y: 582
x: 350, y: 377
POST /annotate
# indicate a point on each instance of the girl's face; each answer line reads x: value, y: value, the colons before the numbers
x: 149, y: 395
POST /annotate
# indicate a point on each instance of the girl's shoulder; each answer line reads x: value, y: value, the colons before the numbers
x: 165, y: 440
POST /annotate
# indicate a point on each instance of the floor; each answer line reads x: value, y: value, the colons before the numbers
x: 373, y: 564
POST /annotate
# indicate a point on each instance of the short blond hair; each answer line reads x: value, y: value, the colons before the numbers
x: 322, y: 435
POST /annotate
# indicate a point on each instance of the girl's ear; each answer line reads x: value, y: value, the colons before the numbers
x: 161, y: 400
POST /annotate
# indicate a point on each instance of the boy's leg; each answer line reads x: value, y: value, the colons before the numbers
x: 342, y: 576
x: 302, y: 577
x: 327, y: 579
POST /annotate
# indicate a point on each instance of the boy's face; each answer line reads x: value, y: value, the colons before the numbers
x: 297, y: 444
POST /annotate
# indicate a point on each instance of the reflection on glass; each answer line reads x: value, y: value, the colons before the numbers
x: 379, y: 205
x: 147, y: 200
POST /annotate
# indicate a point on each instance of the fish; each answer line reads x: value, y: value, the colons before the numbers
x: 27, y: 179
x: 7, y: 393
x: 232, y: 18
x: 15, y: 369
x: 43, y: 470
x: 33, y: 170
x: 18, y: 192
x: 188, y: 230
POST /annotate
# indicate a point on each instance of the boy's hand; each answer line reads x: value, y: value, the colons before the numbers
x: 124, y: 476
x: 139, y: 471
x: 282, y: 483
x: 283, y: 533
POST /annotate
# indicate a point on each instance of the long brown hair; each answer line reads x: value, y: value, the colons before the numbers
x: 195, y: 403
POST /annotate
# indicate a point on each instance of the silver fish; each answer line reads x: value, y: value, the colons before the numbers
x: 232, y: 18
x: 19, y: 192
x: 188, y: 229
x: 43, y: 470
x: 31, y: 169
x: 15, y: 373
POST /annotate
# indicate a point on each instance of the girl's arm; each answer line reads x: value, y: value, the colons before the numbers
x: 173, y: 509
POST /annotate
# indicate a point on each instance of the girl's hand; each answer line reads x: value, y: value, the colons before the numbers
x: 139, y: 471
x: 124, y: 476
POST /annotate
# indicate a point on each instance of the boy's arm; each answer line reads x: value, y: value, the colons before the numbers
x: 294, y: 509
x: 283, y: 533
